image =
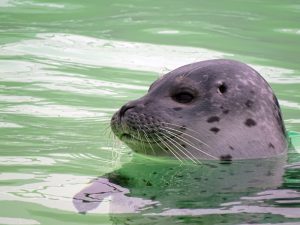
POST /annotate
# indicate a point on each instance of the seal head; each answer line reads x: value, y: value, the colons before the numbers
x: 215, y: 109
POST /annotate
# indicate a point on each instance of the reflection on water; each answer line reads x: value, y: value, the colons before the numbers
x: 66, y: 66
x: 158, y: 189
x: 50, y: 190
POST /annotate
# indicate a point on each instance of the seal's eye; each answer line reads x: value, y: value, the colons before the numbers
x: 183, y: 97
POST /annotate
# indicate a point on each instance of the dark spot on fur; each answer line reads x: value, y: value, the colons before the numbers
x: 226, y: 158
x: 252, y: 92
x: 249, y: 103
x: 213, y: 119
x: 226, y: 111
x: 269, y: 174
x: 177, y: 108
x: 215, y: 129
x: 222, y: 88
x: 250, y: 123
x: 271, y: 145
x: 232, y: 148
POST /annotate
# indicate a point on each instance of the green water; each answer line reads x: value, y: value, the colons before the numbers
x: 67, y: 66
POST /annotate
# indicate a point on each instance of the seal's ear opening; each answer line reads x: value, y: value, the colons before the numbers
x: 222, y: 88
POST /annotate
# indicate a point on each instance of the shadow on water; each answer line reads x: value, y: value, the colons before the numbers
x: 149, y: 190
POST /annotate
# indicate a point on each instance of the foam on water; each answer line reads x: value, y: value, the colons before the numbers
x: 51, y: 110
x: 18, y: 99
x: 45, y: 77
x: 17, y: 221
x: 26, y: 160
x: 15, y: 3
x: 109, y: 53
x: 289, y: 104
x: 5, y: 3
x: 289, y: 31
x: 84, y: 50
x: 9, y: 125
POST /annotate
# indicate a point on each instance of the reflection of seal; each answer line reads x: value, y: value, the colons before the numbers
x: 216, y: 109
x: 169, y: 186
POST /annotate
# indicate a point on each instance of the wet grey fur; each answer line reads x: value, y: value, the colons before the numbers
x: 234, y: 114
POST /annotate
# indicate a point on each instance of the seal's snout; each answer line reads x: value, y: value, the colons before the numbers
x: 130, y: 108
x: 125, y: 108
x: 136, y: 125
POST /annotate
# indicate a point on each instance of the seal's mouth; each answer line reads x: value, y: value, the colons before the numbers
x: 126, y: 137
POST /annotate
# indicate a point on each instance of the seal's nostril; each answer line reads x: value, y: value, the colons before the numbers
x: 124, y: 108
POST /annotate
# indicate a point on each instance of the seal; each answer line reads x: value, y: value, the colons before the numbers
x: 209, y: 110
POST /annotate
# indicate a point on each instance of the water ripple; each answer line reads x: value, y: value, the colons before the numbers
x: 51, y: 110
x: 51, y: 190
x: 26, y: 160
x: 17, y: 221
x: 76, y: 49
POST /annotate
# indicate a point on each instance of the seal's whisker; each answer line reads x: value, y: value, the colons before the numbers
x: 111, y: 143
x: 148, y: 140
x: 188, y: 142
x: 168, y: 147
x: 173, y: 142
x: 106, y: 128
x: 169, y: 137
x: 146, y: 136
x: 188, y: 135
x: 143, y: 146
x: 186, y: 128
x: 158, y: 144
x: 115, y: 153
x: 111, y: 134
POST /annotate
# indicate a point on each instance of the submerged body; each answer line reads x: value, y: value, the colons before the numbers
x: 215, y: 109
